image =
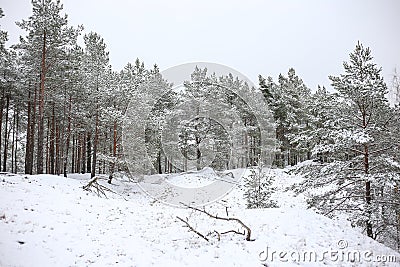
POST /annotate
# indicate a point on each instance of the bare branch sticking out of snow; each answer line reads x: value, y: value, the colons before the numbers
x: 94, y: 186
x: 191, y: 228
x: 247, y: 231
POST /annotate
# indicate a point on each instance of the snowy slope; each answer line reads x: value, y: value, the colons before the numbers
x: 50, y: 221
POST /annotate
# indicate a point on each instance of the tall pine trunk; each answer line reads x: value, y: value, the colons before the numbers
x: 6, y: 135
x: 1, y: 115
x: 78, y: 152
x: 95, y: 141
x: 368, y: 197
x: 30, y: 135
x: 13, y: 140
x: 114, y: 154
x: 57, y: 159
x: 83, y: 168
x: 47, y: 146
x: 52, y: 140
x: 89, y: 152
x: 73, y: 154
x: 16, y: 141
x: 39, y: 162
x: 68, y: 137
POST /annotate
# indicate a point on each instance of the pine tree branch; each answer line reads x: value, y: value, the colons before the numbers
x: 344, y: 200
x: 381, y: 150
x: 357, y: 151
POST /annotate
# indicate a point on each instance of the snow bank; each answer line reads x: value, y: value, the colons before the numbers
x: 50, y: 221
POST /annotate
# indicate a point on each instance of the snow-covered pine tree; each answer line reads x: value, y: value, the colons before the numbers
x: 211, y: 125
x: 144, y: 88
x: 10, y: 103
x: 287, y: 100
x: 364, y: 170
x: 366, y: 133
x: 258, y: 188
x: 96, y: 67
x: 323, y: 121
x: 396, y: 88
x: 73, y: 103
x: 43, y: 48
x: 154, y: 125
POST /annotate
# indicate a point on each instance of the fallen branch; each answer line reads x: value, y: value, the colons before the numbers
x: 247, y: 232
x: 233, y: 231
x: 94, y: 186
x: 191, y: 228
x: 218, y: 235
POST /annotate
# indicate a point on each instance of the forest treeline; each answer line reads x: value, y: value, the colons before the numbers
x: 62, y: 104
x: 62, y: 109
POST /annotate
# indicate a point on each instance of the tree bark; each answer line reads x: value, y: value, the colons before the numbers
x: 114, y: 154
x: 68, y: 137
x: 368, y: 197
x: 6, y: 135
x: 39, y: 163
x: 30, y: 135
x: 159, y: 162
x: 52, y: 139
x: 28, y: 164
x: 95, y: 141
x: 1, y: 115
x: 13, y: 141
x: 73, y: 154
x: 16, y: 141
x: 88, y: 152
x: 78, y: 152
x: 83, y: 167
x: 47, y: 158
x: 57, y: 159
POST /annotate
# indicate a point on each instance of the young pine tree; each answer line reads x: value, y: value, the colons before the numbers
x: 259, y: 188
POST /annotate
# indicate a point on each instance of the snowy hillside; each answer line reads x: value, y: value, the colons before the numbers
x: 51, y: 221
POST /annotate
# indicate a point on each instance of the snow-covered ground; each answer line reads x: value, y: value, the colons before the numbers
x: 49, y: 220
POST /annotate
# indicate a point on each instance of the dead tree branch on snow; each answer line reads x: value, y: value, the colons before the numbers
x: 191, y: 228
x: 94, y: 186
x: 247, y: 231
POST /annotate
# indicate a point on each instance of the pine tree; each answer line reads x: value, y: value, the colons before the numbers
x: 73, y: 102
x: 258, y: 186
x: 363, y: 171
x: 11, y: 105
x: 143, y: 89
x: 95, y: 66
x: 48, y: 36
x: 396, y: 88
x: 220, y: 121
x: 287, y: 101
x: 365, y: 90
x: 323, y: 123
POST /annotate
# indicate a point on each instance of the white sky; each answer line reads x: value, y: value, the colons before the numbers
x: 253, y: 37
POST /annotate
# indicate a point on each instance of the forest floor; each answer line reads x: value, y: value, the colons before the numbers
x: 48, y: 220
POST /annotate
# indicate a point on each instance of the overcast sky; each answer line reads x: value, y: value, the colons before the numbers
x: 253, y: 37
